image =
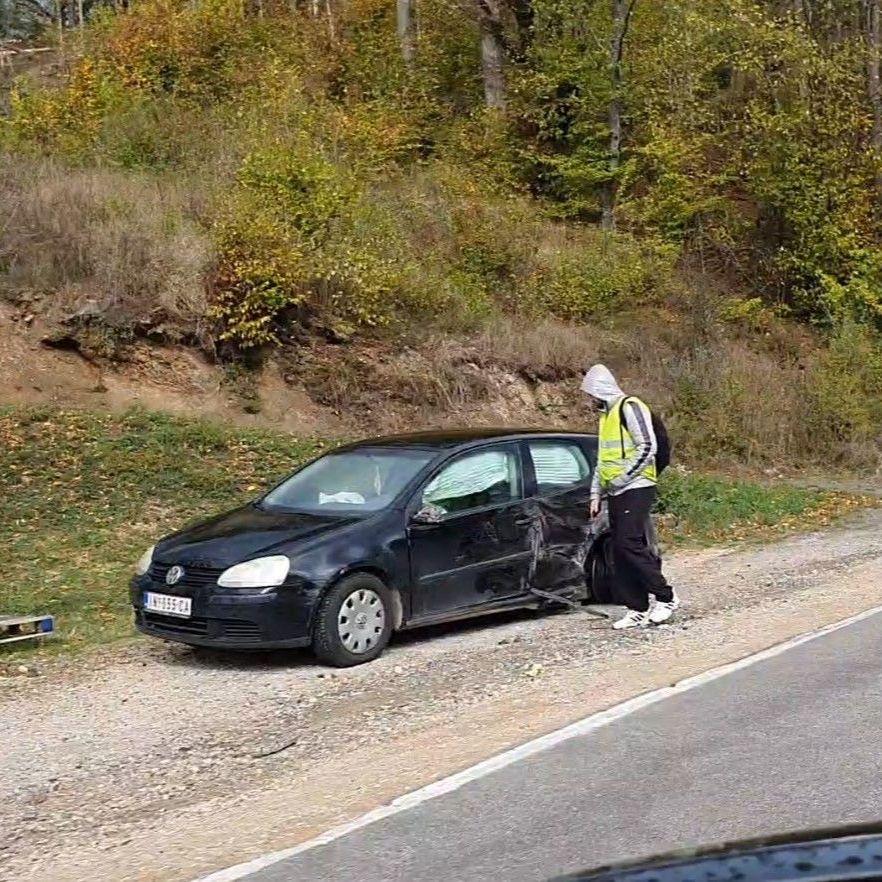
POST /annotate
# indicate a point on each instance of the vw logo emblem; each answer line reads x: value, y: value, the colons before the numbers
x: 174, y: 575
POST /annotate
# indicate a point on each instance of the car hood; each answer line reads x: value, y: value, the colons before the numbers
x: 242, y: 534
x: 842, y: 854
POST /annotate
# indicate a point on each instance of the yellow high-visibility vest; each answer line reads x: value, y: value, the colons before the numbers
x: 616, y: 446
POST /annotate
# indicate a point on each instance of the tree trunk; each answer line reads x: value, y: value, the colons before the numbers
x: 802, y: 12
x: 524, y: 16
x: 493, y: 65
x: 332, y: 27
x: 621, y: 12
x: 874, y: 42
x: 407, y: 31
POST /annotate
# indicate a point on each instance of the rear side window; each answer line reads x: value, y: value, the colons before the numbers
x: 474, y: 480
x: 558, y: 465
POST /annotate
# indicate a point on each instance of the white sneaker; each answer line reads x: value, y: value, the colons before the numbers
x: 662, y: 610
x: 632, y: 619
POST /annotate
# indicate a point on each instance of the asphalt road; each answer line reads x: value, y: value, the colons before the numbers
x: 791, y: 742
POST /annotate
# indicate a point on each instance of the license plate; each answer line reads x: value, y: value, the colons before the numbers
x: 170, y: 606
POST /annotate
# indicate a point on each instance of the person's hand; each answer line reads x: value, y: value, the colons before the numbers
x: 594, y: 508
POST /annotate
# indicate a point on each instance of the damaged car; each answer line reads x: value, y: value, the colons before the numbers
x: 380, y: 536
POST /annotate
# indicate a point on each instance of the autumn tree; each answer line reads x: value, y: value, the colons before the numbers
x: 621, y: 19
x: 406, y: 25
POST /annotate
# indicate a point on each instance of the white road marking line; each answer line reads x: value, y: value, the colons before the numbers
x: 516, y: 754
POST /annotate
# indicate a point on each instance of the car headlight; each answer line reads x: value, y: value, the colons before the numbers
x: 144, y: 561
x: 263, y: 572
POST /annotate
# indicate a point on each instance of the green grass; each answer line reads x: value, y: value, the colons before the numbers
x: 84, y: 494
x: 704, y: 509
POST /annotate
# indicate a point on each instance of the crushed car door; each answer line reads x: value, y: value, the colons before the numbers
x: 478, y: 549
x: 559, y: 474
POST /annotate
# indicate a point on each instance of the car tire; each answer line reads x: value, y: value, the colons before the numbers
x: 599, y: 573
x: 370, y: 619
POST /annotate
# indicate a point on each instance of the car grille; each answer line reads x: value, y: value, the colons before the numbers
x: 232, y: 630
x: 242, y: 632
x: 194, y: 625
x: 194, y: 576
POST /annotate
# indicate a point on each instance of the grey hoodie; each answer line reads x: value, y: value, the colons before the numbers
x: 600, y: 383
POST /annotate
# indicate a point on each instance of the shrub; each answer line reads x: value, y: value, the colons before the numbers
x: 298, y: 236
x: 586, y: 276
x: 64, y: 121
x: 543, y: 349
x: 844, y: 407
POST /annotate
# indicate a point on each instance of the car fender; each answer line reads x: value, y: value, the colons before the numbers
x: 373, y: 570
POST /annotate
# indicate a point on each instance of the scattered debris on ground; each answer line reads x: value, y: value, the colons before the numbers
x: 139, y: 744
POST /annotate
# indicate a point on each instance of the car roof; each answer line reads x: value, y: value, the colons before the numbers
x: 447, y: 438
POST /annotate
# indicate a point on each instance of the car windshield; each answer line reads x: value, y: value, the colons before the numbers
x: 349, y: 482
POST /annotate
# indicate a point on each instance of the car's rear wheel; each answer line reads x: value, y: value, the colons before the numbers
x: 599, y: 572
x: 354, y: 621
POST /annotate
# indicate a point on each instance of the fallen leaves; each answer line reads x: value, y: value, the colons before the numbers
x: 710, y: 512
x: 82, y: 494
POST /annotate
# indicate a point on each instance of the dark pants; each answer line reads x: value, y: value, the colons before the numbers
x: 638, y: 570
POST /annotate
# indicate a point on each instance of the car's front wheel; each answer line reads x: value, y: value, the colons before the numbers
x: 354, y: 621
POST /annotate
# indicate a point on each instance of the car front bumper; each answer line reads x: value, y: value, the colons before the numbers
x: 228, y: 619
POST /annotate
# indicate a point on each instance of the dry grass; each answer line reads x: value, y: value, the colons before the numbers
x: 120, y: 247
x: 546, y: 349
x: 730, y: 403
x: 728, y: 400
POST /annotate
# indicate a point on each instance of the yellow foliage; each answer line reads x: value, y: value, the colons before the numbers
x: 296, y: 234
x: 67, y: 120
x: 169, y: 46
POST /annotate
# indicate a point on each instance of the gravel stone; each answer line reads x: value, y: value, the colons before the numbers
x: 193, y: 730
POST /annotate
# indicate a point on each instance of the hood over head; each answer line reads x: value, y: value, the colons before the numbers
x: 600, y: 383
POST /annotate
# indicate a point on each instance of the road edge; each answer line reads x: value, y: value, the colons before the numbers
x: 509, y: 757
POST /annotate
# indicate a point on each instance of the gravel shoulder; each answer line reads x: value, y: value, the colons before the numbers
x: 154, y: 762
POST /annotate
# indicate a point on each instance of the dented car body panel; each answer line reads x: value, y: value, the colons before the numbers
x: 454, y: 523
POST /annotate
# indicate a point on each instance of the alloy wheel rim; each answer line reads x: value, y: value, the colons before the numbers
x: 361, y: 620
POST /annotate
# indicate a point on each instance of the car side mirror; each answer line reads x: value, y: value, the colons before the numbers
x: 428, y: 514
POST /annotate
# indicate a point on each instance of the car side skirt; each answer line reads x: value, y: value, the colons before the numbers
x: 472, y: 613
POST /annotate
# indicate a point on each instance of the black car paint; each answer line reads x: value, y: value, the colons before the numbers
x: 476, y: 562
x: 469, y: 559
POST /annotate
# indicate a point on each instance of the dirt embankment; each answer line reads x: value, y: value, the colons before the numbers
x: 320, y: 389
x: 151, y: 762
x: 175, y: 379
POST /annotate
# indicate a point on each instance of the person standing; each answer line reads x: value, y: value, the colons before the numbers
x: 626, y: 475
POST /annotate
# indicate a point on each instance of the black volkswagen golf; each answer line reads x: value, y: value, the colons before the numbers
x: 378, y: 536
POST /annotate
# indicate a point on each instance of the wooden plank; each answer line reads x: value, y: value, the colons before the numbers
x: 21, y: 620
x: 10, y: 624
x: 36, y: 635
